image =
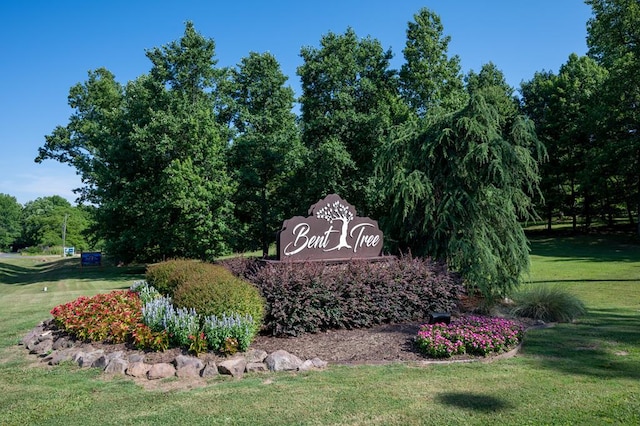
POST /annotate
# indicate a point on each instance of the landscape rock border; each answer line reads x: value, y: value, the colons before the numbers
x: 54, y: 346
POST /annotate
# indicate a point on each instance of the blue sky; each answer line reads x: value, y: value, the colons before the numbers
x: 50, y: 46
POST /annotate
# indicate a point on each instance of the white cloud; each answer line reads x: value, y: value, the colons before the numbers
x: 40, y: 180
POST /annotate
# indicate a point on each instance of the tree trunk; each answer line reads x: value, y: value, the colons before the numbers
x: 574, y: 214
x: 263, y: 213
x: 638, y: 217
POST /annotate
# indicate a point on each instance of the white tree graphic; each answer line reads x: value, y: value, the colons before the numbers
x: 337, y: 211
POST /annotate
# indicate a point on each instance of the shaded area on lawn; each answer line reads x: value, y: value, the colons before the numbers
x: 47, y: 270
x: 595, y: 248
x: 473, y: 402
x: 603, y: 344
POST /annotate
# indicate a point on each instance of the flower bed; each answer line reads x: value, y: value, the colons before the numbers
x: 472, y: 335
x: 143, y: 317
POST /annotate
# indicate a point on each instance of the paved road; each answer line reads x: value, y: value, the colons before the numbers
x: 9, y: 254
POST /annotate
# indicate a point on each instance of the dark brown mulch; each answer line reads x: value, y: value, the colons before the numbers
x: 383, y: 343
x: 380, y: 344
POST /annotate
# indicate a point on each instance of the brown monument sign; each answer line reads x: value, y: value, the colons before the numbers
x: 332, y: 231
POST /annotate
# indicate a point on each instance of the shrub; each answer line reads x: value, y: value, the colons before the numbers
x: 547, y: 303
x: 169, y: 275
x: 310, y: 297
x: 218, y: 292
x: 472, y: 335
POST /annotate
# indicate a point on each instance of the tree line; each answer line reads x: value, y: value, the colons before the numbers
x: 587, y: 116
x: 43, y: 224
x: 196, y: 160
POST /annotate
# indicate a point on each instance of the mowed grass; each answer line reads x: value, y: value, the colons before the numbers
x: 587, y: 372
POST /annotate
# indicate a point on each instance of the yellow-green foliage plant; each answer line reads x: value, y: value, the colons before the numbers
x: 168, y: 275
x: 218, y: 292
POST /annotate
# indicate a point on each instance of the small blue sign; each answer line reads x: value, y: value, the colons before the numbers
x: 91, y: 258
x: 69, y: 251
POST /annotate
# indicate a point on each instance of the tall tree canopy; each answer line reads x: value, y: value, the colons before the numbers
x: 565, y: 110
x: 266, y: 150
x: 152, y: 154
x: 614, y: 41
x: 430, y: 80
x: 348, y: 102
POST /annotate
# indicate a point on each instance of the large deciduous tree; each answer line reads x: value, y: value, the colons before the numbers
x: 614, y: 41
x: 152, y: 154
x: 10, y: 211
x: 348, y: 102
x: 565, y: 109
x: 53, y: 221
x: 266, y: 151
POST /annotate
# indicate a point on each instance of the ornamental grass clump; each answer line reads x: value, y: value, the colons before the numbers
x: 547, y: 303
x: 472, y: 335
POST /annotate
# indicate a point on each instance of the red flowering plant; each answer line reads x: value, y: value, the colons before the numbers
x: 473, y: 335
x: 114, y: 317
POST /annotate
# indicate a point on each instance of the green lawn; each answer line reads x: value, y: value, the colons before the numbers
x: 587, y: 372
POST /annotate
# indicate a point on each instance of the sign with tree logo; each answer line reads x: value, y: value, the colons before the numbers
x: 332, y: 231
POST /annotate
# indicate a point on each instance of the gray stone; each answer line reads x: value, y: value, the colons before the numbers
x: 210, y: 370
x: 188, y: 371
x: 42, y: 348
x: 116, y: 366
x: 86, y: 359
x: 60, y: 356
x: 137, y: 369
x: 306, y: 366
x: 31, y: 336
x: 318, y: 363
x: 47, y: 335
x: 255, y: 355
x: 100, y: 362
x: 282, y: 361
x: 114, y: 355
x: 161, y: 370
x: 256, y: 367
x: 62, y: 343
x: 133, y: 358
x: 182, y: 361
x: 234, y: 367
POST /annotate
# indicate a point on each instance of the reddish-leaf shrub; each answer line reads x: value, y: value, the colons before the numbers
x: 310, y: 297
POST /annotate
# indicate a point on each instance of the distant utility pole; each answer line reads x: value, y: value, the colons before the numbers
x: 64, y: 234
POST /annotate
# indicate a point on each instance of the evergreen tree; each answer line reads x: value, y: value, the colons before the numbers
x: 461, y: 182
